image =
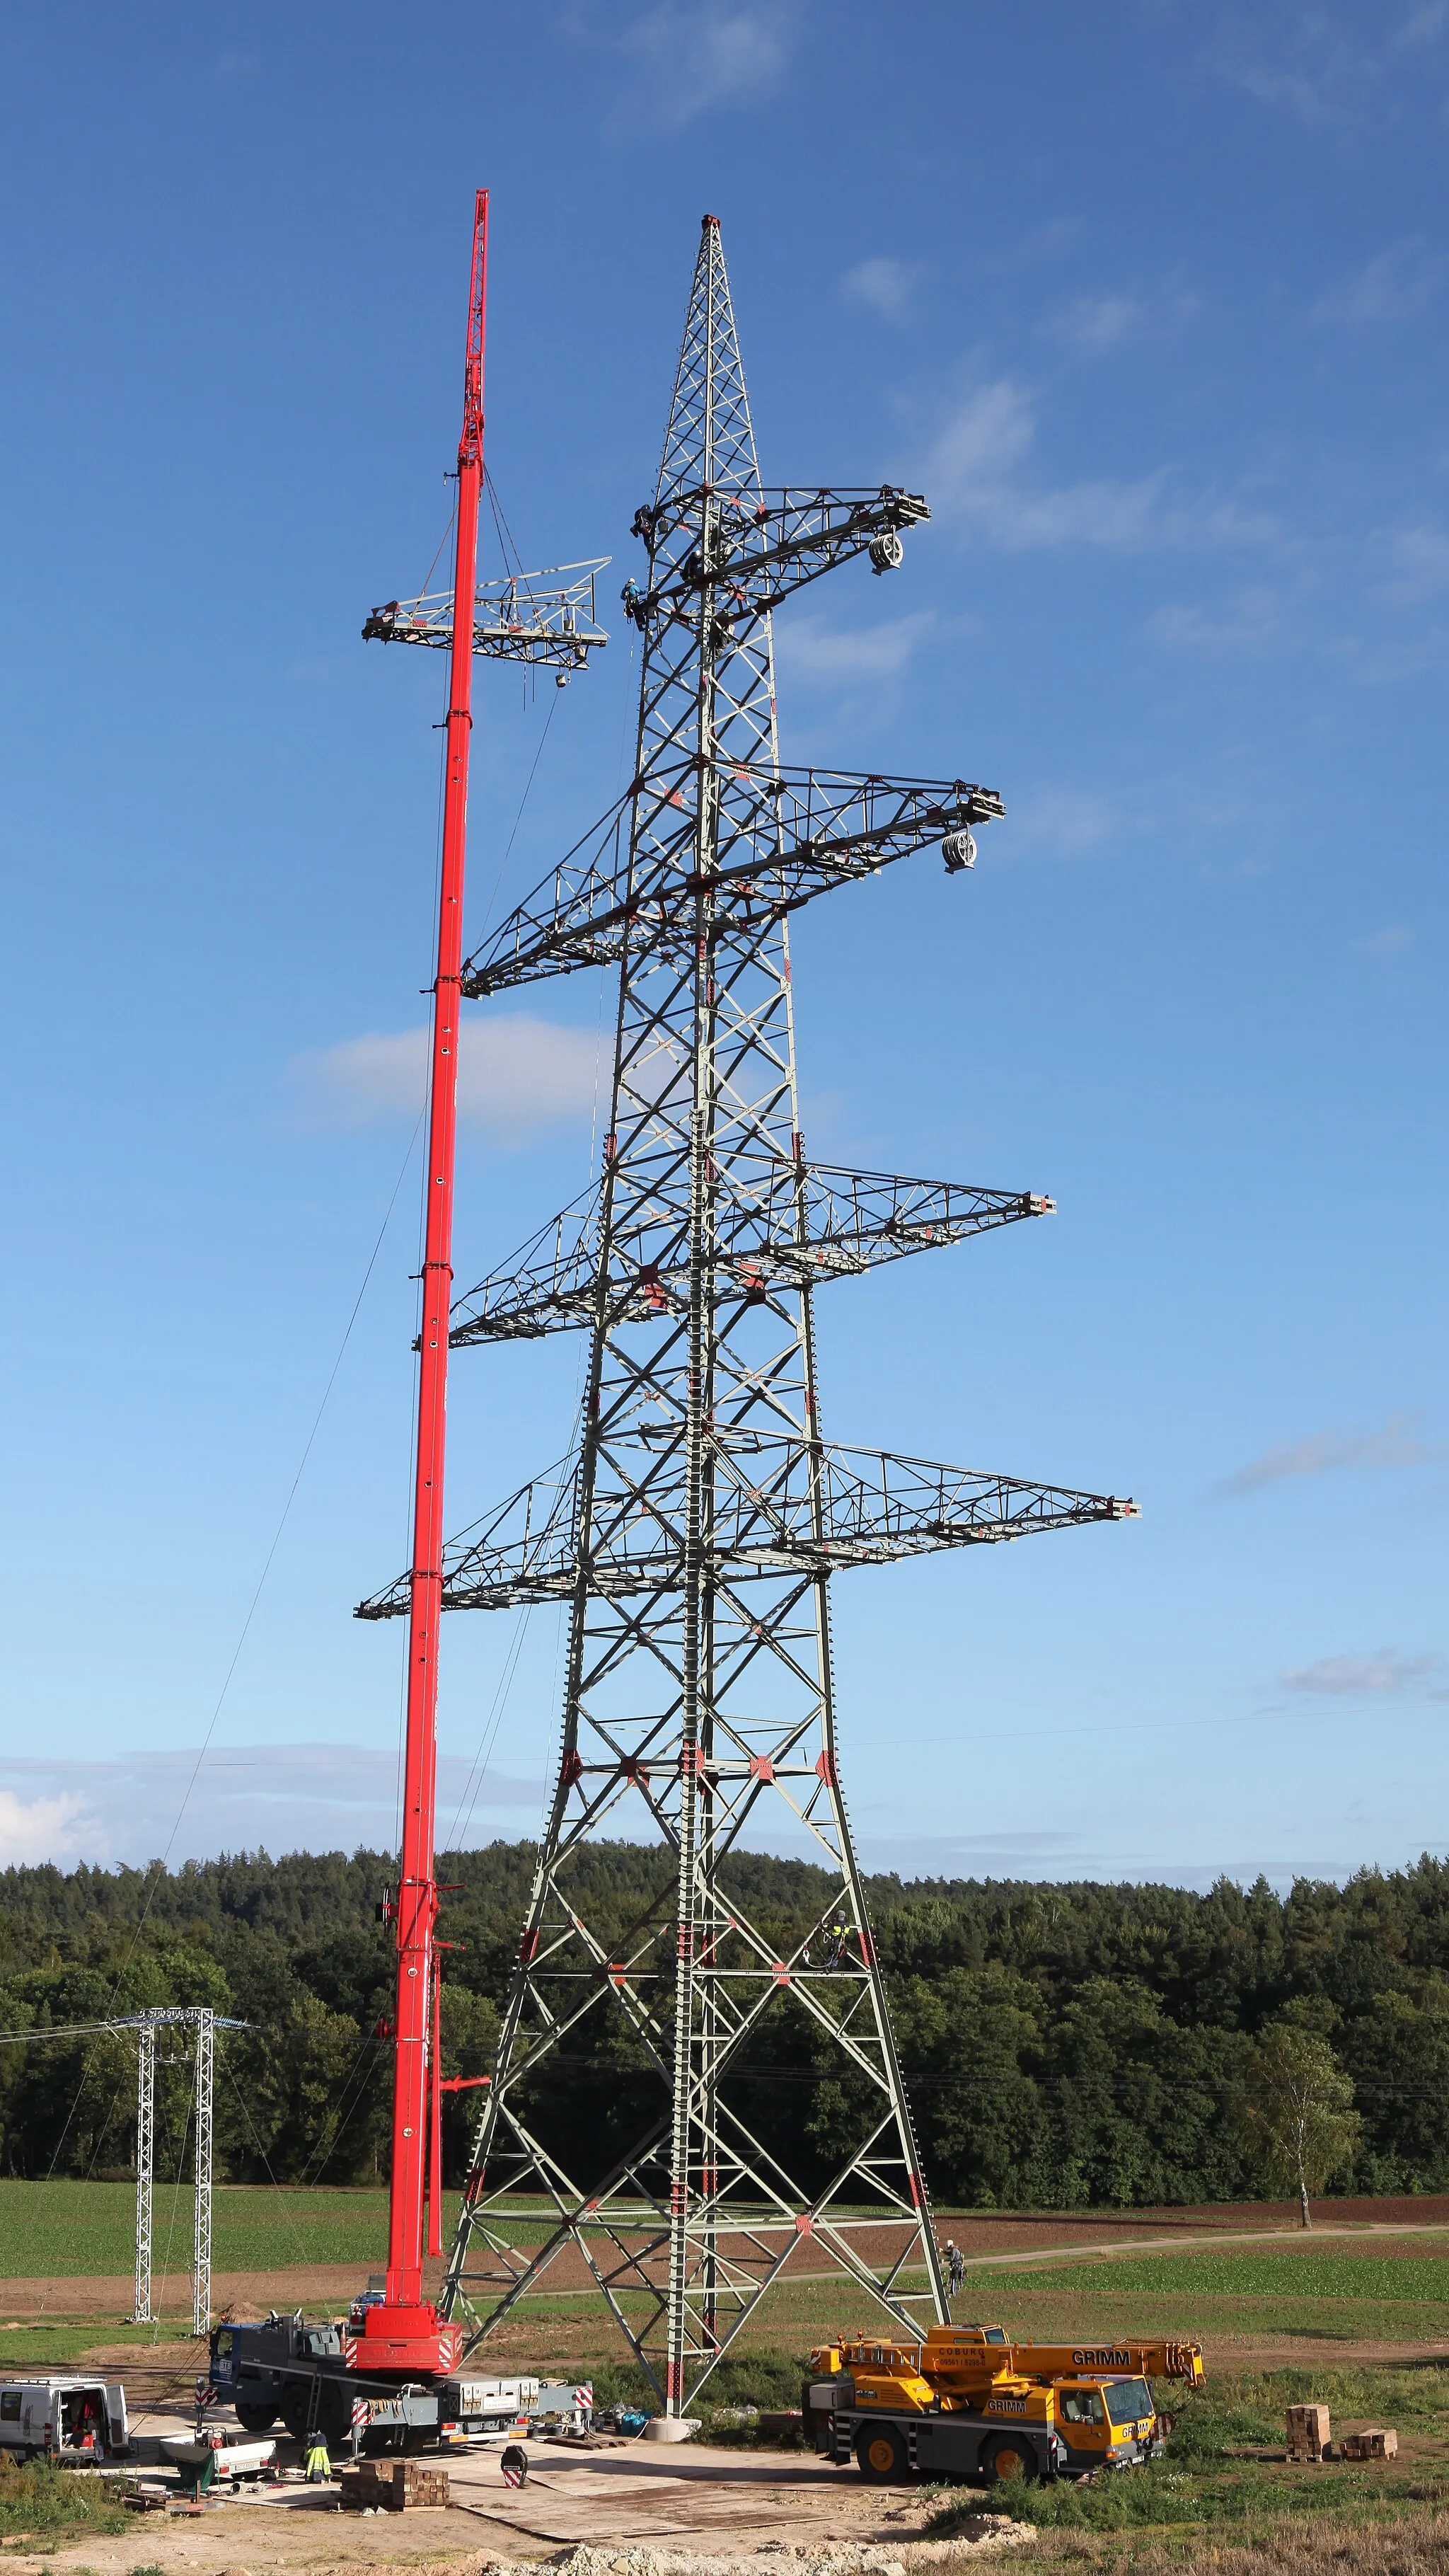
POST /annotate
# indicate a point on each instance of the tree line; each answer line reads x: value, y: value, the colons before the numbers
x: 1066, y: 2046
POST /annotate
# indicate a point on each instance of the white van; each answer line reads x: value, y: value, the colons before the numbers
x: 68, y: 2419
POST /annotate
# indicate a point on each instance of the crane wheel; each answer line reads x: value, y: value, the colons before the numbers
x: 256, y: 2415
x: 1010, y: 2455
x: 881, y: 2455
x: 295, y: 2407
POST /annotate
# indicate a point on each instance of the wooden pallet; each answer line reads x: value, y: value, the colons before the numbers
x: 393, y: 2486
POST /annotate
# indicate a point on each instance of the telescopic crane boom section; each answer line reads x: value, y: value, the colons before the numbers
x: 961, y: 2356
x: 521, y: 620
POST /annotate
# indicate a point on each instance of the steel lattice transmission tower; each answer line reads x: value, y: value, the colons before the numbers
x: 695, y: 1530
x: 206, y: 2023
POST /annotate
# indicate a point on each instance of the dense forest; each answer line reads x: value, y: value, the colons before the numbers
x: 1064, y: 2045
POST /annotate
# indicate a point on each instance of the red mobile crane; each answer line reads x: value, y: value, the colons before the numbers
x: 302, y: 2370
x: 405, y: 2331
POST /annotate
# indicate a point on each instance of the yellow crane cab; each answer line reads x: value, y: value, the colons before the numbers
x: 1105, y: 2423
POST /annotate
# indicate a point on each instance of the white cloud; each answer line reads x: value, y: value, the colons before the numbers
x: 1096, y: 322
x: 884, y: 284
x: 1063, y: 820
x: 1300, y: 55
x: 975, y: 478
x: 284, y: 1797
x: 1418, y: 560
x: 1391, y: 941
x: 809, y: 648
x: 1391, y: 288
x: 516, y: 1076
x: 41, y: 1829
x: 1250, y: 625
x: 1362, y: 1676
x: 698, y: 54
x: 1324, y: 1453
x: 988, y: 436
x: 1326, y: 62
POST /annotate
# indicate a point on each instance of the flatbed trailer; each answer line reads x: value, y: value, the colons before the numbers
x: 301, y: 2371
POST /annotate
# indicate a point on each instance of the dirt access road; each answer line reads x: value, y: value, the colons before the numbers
x: 687, y: 2497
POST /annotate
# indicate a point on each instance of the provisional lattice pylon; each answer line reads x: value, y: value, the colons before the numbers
x: 206, y: 2023
x: 695, y: 1530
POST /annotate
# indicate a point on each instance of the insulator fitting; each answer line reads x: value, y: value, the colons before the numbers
x: 887, y: 553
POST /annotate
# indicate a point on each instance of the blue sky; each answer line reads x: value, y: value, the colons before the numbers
x: 1149, y: 299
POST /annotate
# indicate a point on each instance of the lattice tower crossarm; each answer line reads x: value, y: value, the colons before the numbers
x: 546, y: 620
x: 695, y: 1532
x: 854, y: 1221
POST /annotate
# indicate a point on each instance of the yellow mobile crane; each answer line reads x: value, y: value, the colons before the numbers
x: 969, y: 2402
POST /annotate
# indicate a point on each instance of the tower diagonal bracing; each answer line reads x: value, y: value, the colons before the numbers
x: 694, y: 1533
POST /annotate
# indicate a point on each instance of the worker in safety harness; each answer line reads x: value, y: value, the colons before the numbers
x: 319, y: 2467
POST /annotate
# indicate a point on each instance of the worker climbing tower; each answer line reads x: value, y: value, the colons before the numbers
x: 696, y: 1529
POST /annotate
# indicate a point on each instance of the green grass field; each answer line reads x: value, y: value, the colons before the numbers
x: 66, y: 2229
x: 1326, y: 2296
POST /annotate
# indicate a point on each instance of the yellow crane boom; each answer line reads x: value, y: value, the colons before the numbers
x: 961, y: 2355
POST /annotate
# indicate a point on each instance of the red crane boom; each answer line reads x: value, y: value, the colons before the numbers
x: 405, y: 2332
x: 546, y: 622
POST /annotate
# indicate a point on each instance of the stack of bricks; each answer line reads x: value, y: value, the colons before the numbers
x: 392, y: 2485
x: 1308, y: 2433
x: 1378, y: 2443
